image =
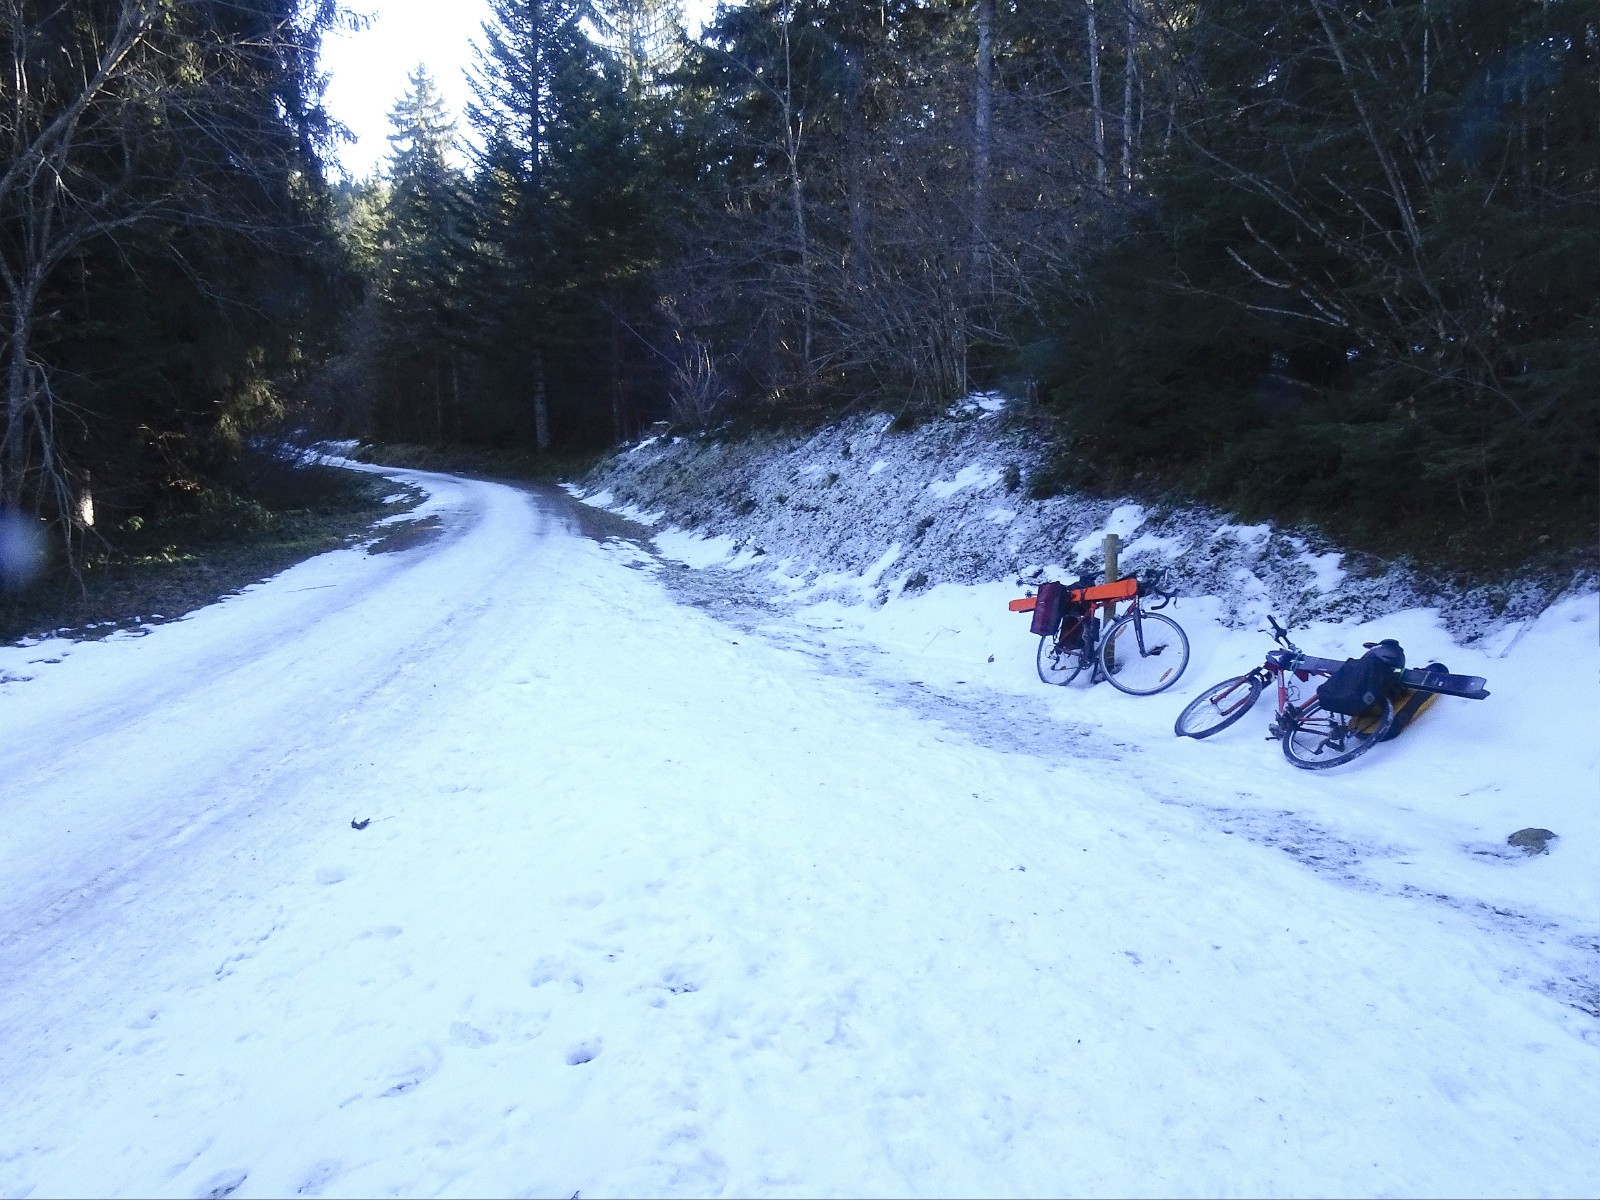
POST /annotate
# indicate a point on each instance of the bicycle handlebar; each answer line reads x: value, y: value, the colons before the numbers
x: 1156, y: 587
x: 1088, y: 578
x: 1281, y: 634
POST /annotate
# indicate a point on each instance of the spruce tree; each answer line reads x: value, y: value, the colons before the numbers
x: 563, y: 219
x: 419, y: 267
x: 526, y: 44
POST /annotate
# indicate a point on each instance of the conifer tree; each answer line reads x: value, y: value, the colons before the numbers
x: 564, y: 212
x: 420, y: 262
x: 647, y: 37
x: 527, y: 43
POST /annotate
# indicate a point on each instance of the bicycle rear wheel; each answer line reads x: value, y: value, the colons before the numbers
x: 1315, y: 739
x: 1144, y: 654
x: 1219, y: 706
x: 1057, y: 665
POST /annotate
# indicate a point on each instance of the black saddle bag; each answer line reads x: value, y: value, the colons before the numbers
x: 1362, y: 682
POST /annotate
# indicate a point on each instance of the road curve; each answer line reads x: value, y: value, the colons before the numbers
x: 648, y: 905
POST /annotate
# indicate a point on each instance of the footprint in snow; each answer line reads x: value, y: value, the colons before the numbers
x: 584, y: 1052
x: 470, y: 1035
x: 705, y: 1174
x: 425, y: 1066
x: 550, y: 970
x: 678, y: 983
x: 318, y: 1177
x: 224, y: 1184
x: 330, y: 874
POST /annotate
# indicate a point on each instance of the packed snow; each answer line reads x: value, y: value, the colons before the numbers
x: 688, y: 881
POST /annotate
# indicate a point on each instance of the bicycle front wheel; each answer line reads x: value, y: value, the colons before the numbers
x: 1058, y: 666
x: 1315, y: 739
x: 1219, y: 706
x: 1143, y: 654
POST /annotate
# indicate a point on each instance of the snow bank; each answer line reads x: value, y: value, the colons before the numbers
x: 953, y: 496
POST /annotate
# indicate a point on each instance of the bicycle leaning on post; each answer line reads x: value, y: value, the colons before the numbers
x: 1141, y: 653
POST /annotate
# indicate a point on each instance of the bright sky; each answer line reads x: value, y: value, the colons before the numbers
x: 367, y: 70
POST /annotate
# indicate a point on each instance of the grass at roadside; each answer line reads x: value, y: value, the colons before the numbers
x: 160, y: 570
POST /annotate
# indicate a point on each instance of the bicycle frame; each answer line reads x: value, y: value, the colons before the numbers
x: 1370, y: 708
x: 1094, y: 621
x: 1288, y: 669
x: 1288, y: 679
x: 1100, y: 615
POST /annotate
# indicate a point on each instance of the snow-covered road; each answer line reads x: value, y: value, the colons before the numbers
x: 650, y: 906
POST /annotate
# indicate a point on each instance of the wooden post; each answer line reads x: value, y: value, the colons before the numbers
x: 1113, y: 544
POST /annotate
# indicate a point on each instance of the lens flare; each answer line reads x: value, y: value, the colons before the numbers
x: 22, y: 550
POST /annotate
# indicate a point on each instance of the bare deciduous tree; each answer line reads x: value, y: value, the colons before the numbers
x: 1097, y: 106
x: 109, y: 119
x: 70, y: 159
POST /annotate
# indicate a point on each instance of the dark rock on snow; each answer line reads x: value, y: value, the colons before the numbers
x: 1532, y: 841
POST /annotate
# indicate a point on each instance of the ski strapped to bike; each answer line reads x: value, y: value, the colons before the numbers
x: 1416, y: 679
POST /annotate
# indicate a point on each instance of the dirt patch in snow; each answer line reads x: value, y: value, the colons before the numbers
x: 407, y: 535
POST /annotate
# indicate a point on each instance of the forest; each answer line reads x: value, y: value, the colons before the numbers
x: 1330, y: 261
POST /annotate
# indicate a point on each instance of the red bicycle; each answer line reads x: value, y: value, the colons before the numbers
x: 1341, y: 718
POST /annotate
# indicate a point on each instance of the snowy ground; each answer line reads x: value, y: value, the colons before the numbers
x: 671, y: 891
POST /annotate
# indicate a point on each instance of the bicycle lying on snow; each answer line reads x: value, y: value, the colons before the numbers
x: 1141, y: 652
x: 1364, y: 700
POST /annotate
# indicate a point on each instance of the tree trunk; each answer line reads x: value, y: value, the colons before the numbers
x: 791, y: 146
x: 618, y: 426
x: 19, y: 402
x: 855, y: 167
x: 455, y: 393
x: 535, y: 93
x: 808, y: 298
x: 1095, y: 101
x: 1427, y: 57
x: 982, y: 144
x: 1129, y: 69
x: 541, y: 404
